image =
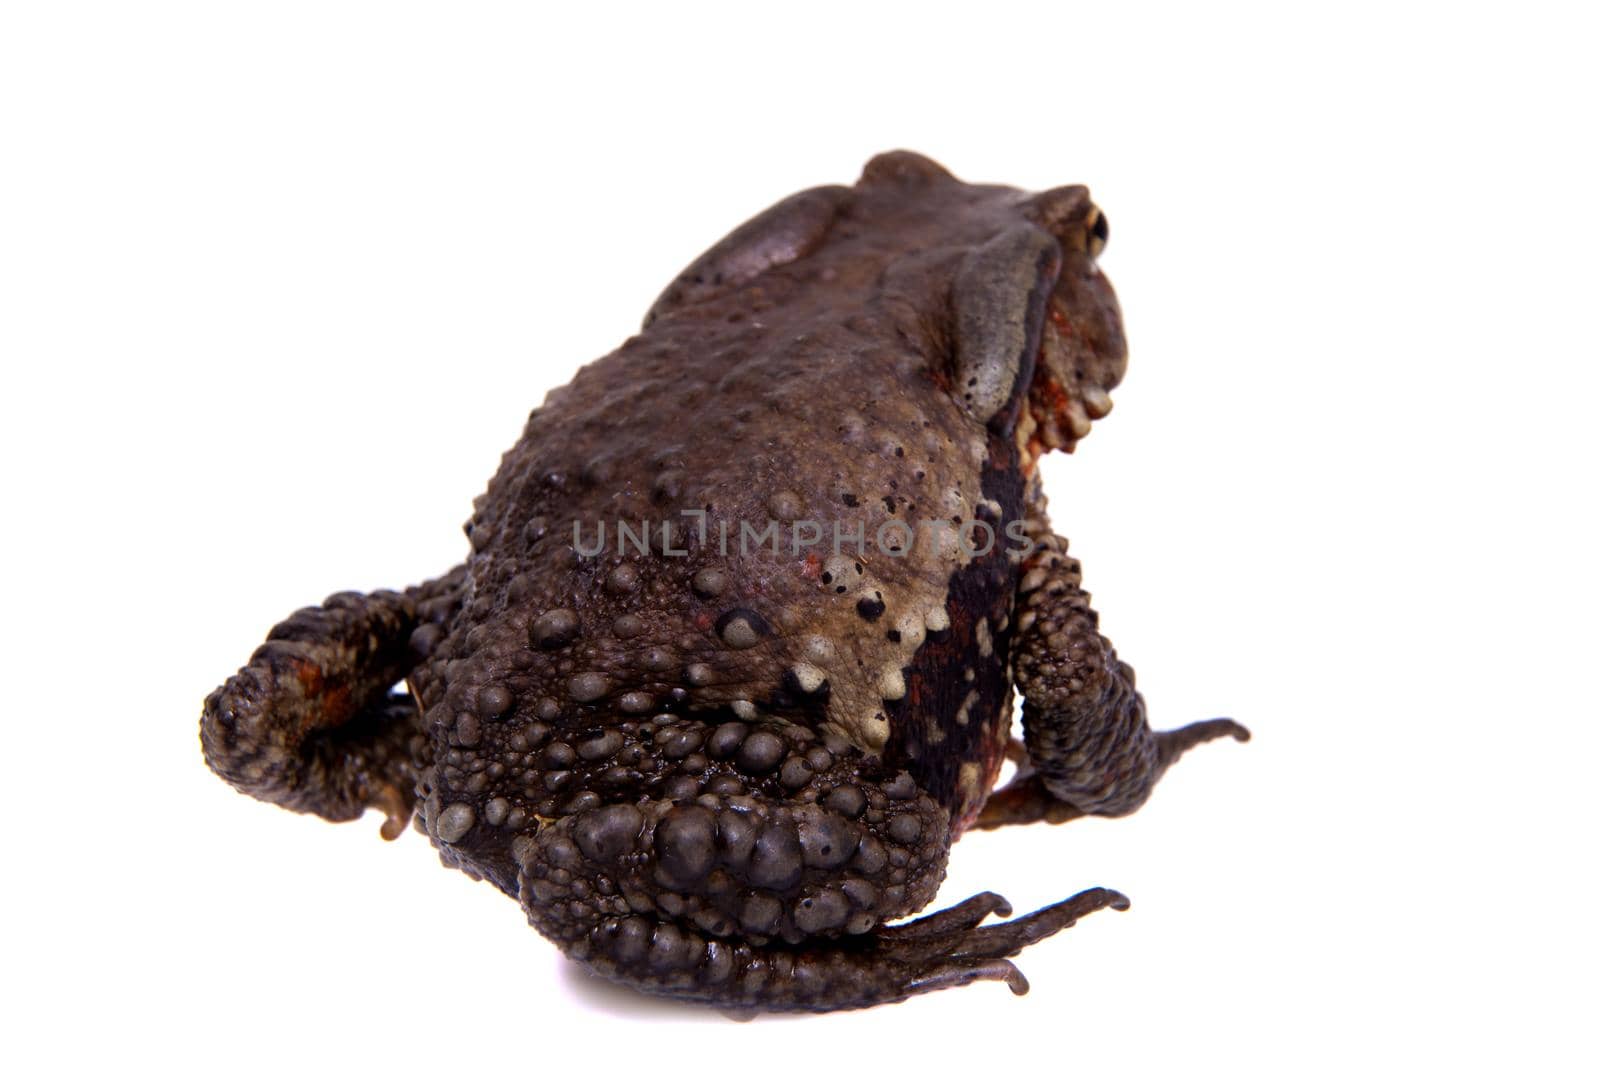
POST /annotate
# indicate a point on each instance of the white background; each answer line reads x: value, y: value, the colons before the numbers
x: 280, y: 282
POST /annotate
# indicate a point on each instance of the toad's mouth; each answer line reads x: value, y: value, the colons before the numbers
x: 1082, y: 356
x: 1056, y: 416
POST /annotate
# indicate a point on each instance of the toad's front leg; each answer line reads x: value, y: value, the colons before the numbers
x: 779, y: 904
x: 310, y: 723
x: 1091, y: 750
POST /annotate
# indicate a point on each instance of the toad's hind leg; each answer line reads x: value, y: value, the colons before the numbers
x: 780, y: 905
x: 1090, y: 749
x: 311, y: 724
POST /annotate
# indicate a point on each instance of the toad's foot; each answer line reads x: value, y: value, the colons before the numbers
x: 311, y: 723
x: 1090, y: 744
x: 775, y: 906
x: 1026, y: 799
x: 949, y: 948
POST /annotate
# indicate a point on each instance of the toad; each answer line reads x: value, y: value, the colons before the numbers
x: 730, y: 663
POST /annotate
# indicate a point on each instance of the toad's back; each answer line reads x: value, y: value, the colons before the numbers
x: 798, y: 435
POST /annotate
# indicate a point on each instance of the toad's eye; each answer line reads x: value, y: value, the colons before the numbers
x: 1099, y: 230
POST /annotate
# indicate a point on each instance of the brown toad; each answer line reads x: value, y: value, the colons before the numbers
x: 730, y: 664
